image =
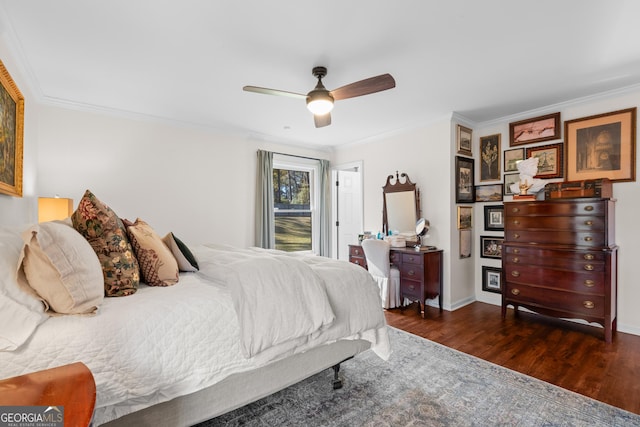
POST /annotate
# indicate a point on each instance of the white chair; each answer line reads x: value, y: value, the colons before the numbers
x: 388, y: 278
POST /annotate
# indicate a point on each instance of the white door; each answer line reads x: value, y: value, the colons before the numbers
x: 348, y: 198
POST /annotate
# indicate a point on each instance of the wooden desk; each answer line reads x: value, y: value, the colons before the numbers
x: 420, y: 272
x: 70, y: 386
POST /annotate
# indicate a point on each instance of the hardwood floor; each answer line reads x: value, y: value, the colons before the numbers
x: 569, y: 355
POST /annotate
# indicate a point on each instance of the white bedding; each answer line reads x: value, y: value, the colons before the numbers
x: 165, y: 342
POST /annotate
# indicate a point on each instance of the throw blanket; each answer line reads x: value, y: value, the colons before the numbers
x: 288, y: 298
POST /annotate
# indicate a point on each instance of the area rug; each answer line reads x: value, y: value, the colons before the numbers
x: 425, y: 384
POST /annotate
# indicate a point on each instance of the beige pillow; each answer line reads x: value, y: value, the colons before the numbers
x: 62, y: 268
x: 185, y: 258
x: 158, y: 267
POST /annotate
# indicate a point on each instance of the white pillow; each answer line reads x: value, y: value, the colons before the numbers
x: 20, y: 310
x: 185, y: 258
x: 62, y: 268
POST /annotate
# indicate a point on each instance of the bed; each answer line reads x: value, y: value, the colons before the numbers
x: 249, y: 322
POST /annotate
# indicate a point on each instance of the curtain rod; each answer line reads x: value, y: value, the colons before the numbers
x: 293, y: 155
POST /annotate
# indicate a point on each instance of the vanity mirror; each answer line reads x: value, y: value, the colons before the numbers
x: 401, y: 205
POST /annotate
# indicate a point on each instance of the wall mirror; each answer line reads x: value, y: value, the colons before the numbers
x: 401, y: 205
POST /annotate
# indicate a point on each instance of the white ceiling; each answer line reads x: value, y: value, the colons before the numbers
x: 187, y: 60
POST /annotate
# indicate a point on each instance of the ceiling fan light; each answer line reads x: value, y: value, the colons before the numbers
x: 320, y: 102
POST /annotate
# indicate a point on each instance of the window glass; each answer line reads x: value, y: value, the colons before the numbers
x: 292, y: 195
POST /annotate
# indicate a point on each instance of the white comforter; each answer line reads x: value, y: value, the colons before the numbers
x: 165, y: 342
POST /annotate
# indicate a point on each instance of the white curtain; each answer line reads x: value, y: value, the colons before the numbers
x: 324, y: 208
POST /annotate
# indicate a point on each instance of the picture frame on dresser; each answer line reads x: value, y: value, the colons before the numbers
x: 12, y: 130
x: 601, y: 146
x: 550, y: 161
x: 465, y: 180
x: 537, y: 129
x: 492, y: 279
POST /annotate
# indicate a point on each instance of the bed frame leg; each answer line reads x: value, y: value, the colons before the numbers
x: 337, y: 382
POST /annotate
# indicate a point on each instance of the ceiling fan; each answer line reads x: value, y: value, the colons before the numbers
x: 320, y: 100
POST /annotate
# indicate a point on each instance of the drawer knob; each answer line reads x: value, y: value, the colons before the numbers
x: 516, y: 251
x: 588, y: 267
x: 411, y: 259
x: 516, y: 222
x: 588, y: 239
x: 516, y: 210
x: 515, y: 291
x: 516, y: 260
x: 515, y: 273
x: 588, y: 208
x: 356, y: 262
x: 588, y: 222
x: 588, y: 257
x: 357, y: 251
x: 411, y: 273
x: 516, y: 236
x: 589, y: 283
x: 411, y: 287
x: 588, y: 304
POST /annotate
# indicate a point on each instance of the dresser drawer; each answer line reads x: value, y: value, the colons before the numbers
x: 356, y: 251
x: 580, y: 304
x: 412, y: 259
x: 411, y: 272
x: 592, y: 282
x: 411, y: 289
x: 556, y: 237
x: 554, y: 258
x: 564, y: 208
x: 577, y: 223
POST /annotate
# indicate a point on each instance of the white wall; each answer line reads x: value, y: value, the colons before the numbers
x: 626, y: 193
x: 424, y: 154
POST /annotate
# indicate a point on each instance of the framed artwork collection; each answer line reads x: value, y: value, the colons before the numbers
x: 494, y: 218
x: 490, y: 158
x: 465, y: 178
x: 11, y: 134
x: 550, y: 162
x: 492, y: 279
x: 538, y: 129
x: 491, y: 247
x: 601, y: 146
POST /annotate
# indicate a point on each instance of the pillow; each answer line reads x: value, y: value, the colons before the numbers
x: 158, y: 266
x: 21, y: 311
x: 107, y: 236
x: 186, y: 260
x: 62, y: 268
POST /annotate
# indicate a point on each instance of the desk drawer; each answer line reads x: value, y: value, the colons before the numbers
x: 410, y: 289
x: 411, y: 272
x: 414, y: 259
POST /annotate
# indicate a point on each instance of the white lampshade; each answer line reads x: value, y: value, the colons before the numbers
x: 319, y: 102
x: 54, y: 208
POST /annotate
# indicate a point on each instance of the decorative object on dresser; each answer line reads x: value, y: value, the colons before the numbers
x: 559, y: 258
x: 601, y: 188
x: 420, y: 272
x: 401, y: 205
x: 601, y: 146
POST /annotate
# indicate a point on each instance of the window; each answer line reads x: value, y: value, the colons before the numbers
x: 294, y: 191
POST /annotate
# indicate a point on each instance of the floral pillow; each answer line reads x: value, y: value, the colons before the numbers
x: 158, y: 266
x: 107, y: 236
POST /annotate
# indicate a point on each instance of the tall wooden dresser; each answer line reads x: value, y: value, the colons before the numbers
x: 559, y: 258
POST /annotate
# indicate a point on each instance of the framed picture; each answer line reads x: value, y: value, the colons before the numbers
x: 11, y: 133
x: 465, y: 188
x: 491, y: 247
x: 543, y: 128
x: 511, y: 159
x: 490, y: 157
x: 549, y: 160
x: 494, y: 218
x: 602, y: 146
x: 492, y: 279
x: 489, y: 193
x: 464, y: 141
x: 465, y: 219
x: 510, y: 178
x: 465, y: 243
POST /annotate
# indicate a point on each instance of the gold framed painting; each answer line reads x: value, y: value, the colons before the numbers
x: 601, y: 146
x: 11, y: 134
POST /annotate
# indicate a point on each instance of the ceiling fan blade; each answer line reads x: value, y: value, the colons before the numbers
x: 276, y: 92
x: 364, y: 87
x: 322, y: 120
